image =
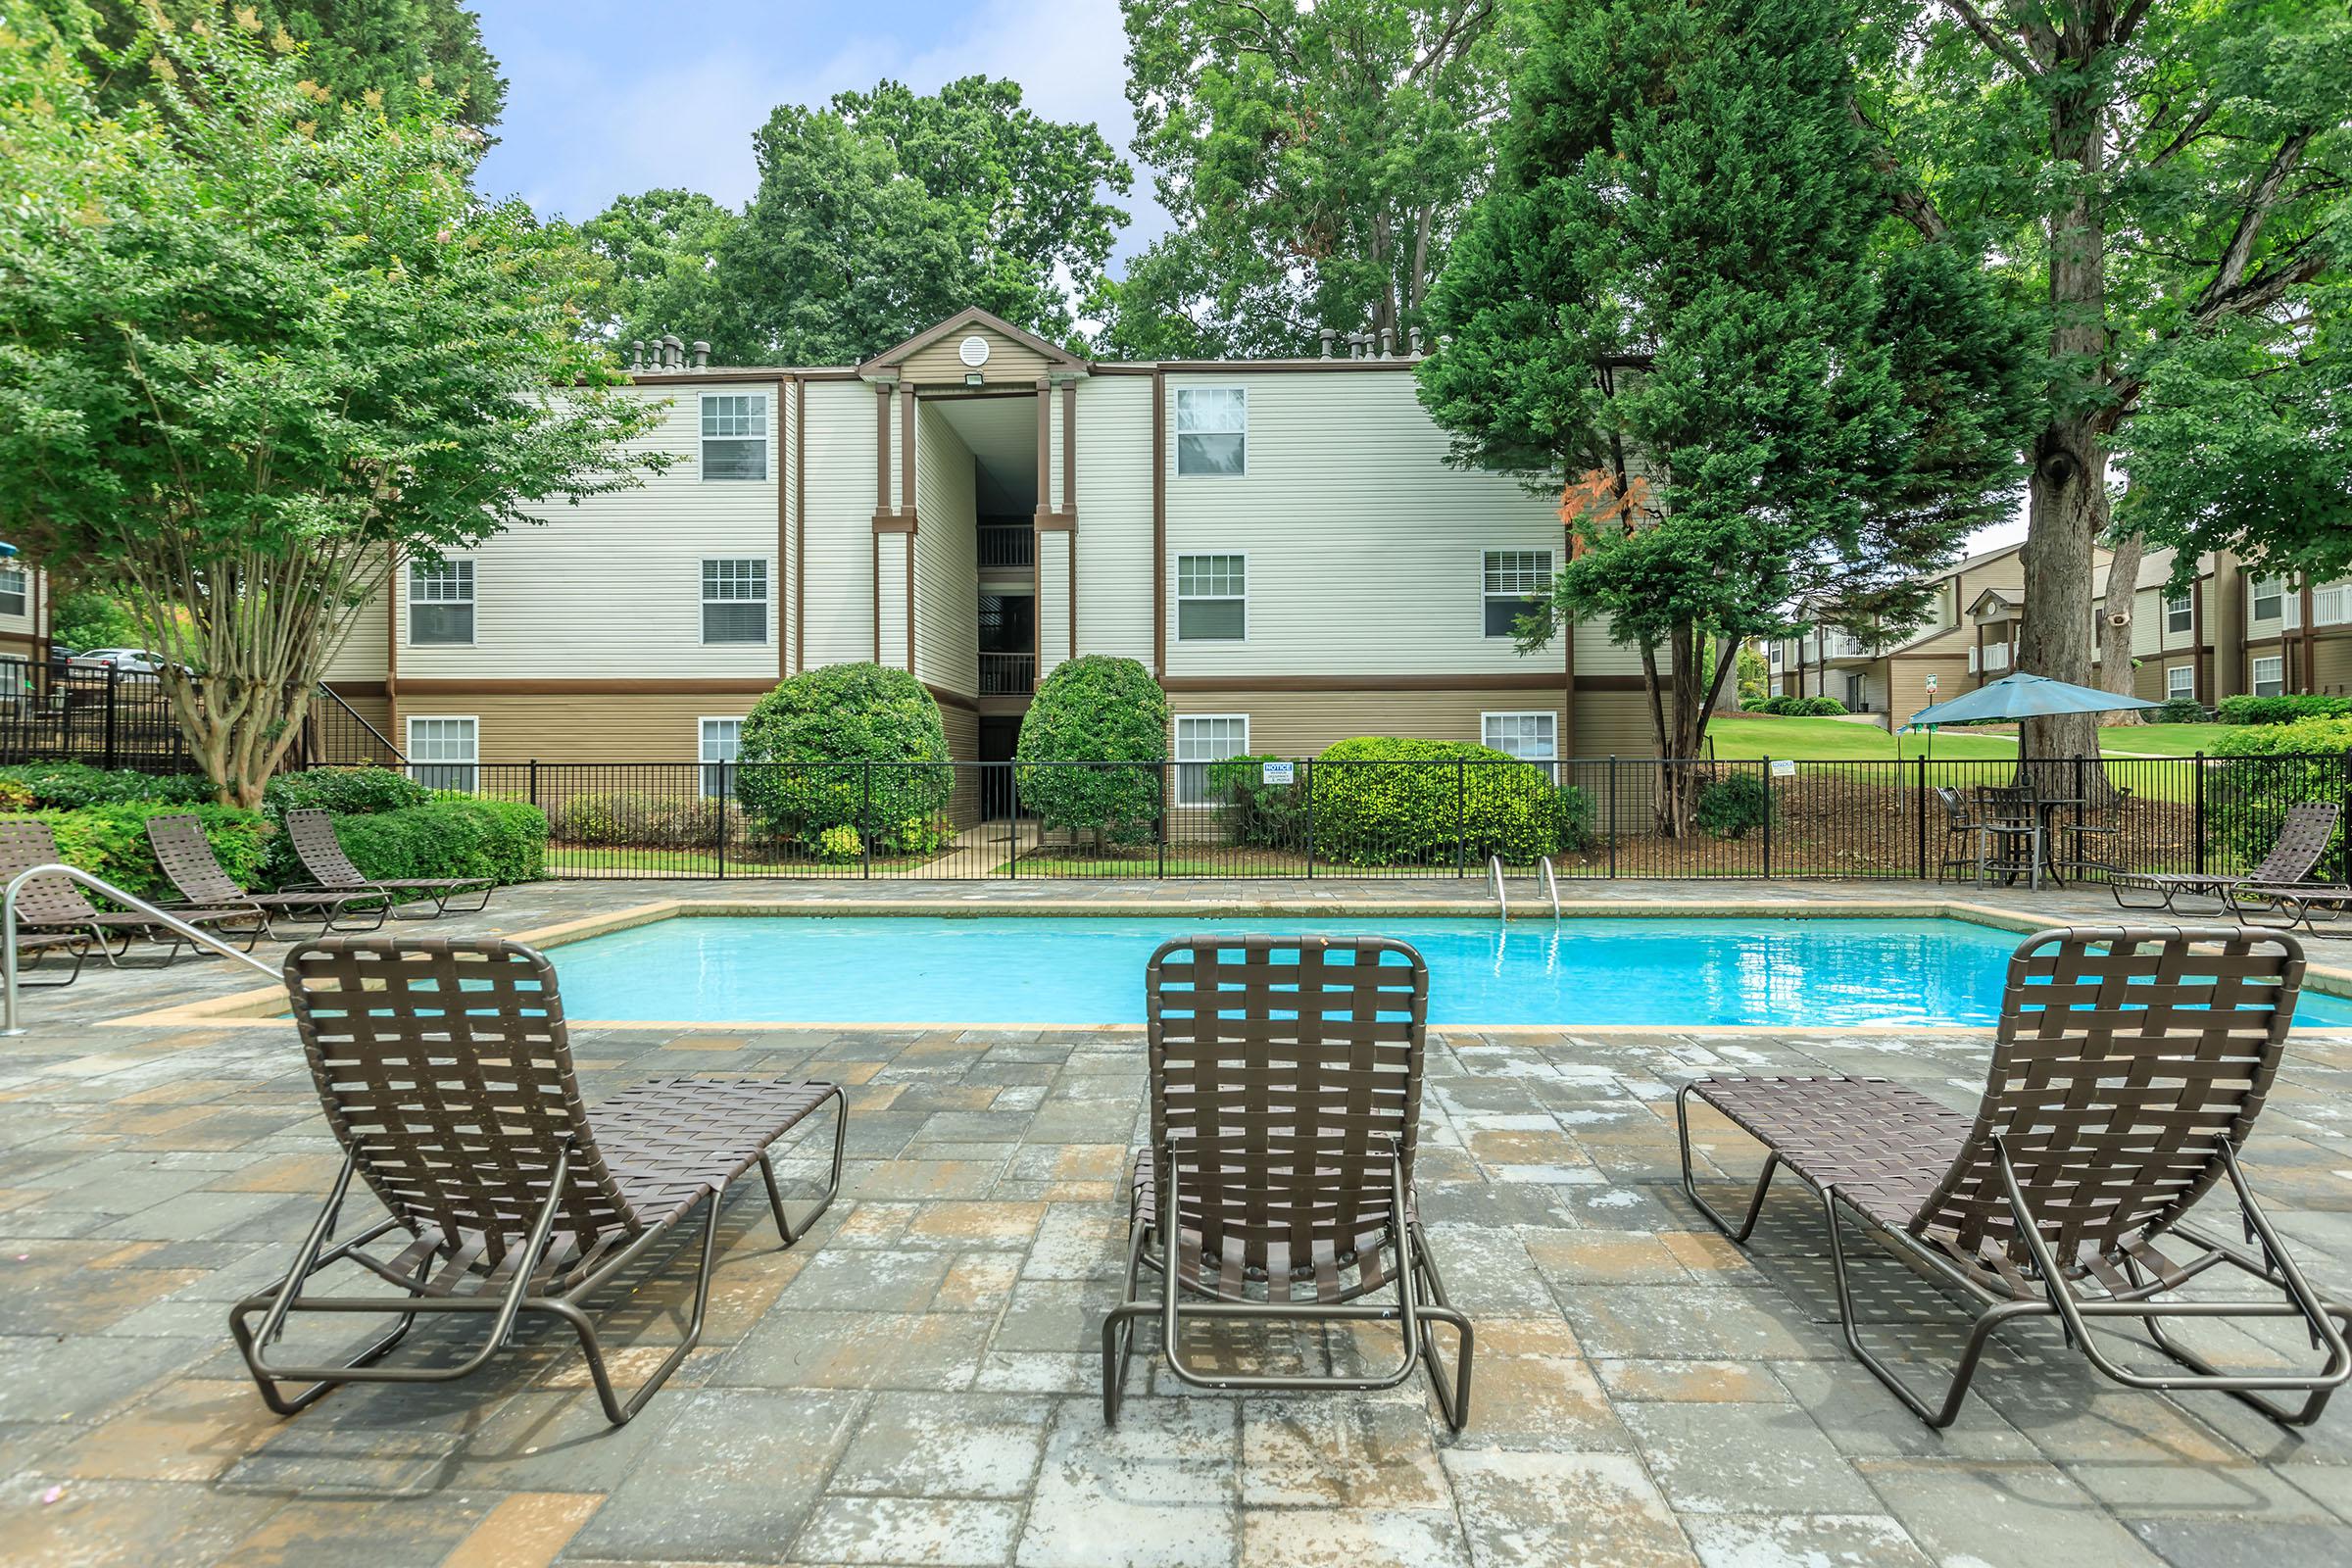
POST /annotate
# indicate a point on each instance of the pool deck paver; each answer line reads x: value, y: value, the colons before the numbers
x: 915, y: 1382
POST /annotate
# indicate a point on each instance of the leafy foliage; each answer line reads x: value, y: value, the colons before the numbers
x: 1096, y: 709
x: 1732, y: 805
x: 2265, y: 768
x: 83, y: 619
x: 660, y: 253
x: 449, y: 836
x: 2174, y: 710
x: 620, y: 817
x: 1256, y: 812
x: 2285, y: 710
x: 67, y: 786
x: 1317, y: 159
x: 803, y: 745
x: 108, y: 839
x: 1794, y: 707
x: 250, y: 355
x: 1423, y: 802
x: 343, y: 791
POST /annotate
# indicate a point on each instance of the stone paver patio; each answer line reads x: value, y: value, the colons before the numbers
x: 915, y: 1382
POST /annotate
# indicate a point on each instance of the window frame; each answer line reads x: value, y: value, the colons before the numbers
x: 711, y: 779
x: 2184, y: 606
x: 1486, y: 596
x: 1177, y: 432
x: 766, y: 601
x: 2276, y: 679
x: 1182, y: 764
x: 473, y: 601
x: 418, y: 768
x: 1552, y: 719
x: 2255, y: 595
x: 758, y: 408
x: 2179, y: 690
x: 1178, y: 595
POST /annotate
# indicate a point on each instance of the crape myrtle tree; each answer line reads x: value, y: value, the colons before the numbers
x: 1680, y: 301
x: 250, y: 357
x: 2168, y: 178
x: 1317, y: 159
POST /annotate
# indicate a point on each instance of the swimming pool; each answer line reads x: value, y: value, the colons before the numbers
x: 1587, y: 972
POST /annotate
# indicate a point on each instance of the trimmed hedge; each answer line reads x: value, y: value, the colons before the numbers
x: 1097, y: 709
x: 2281, y: 710
x: 110, y: 841
x: 621, y: 819
x: 70, y: 786
x: 1259, y: 815
x: 343, y: 791
x: 2264, y: 769
x: 2174, y: 710
x: 1792, y: 707
x: 1488, y: 804
x: 449, y: 836
x: 848, y: 713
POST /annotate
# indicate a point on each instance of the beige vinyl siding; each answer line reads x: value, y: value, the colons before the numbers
x: 892, y: 566
x: 1115, y: 517
x: 27, y: 625
x: 361, y: 657
x: 1010, y: 364
x: 840, y: 454
x: 947, y: 557
x: 584, y: 727
x: 1054, y: 600
x: 613, y: 587
x: 1364, y: 547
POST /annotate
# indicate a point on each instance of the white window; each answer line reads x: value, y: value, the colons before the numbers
x: 735, y: 600
x: 2270, y: 677
x: 14, y: 582
x: 722, y: 742
x: 2180, y: 613
x: 1516, y: 583
x: 442, y: 752
x: 734, y: 435
x: 1213, y: 430
x: 1211, y: 599
x: 1532, y: 737
x: 1202, y: 739
x: 1776, y: 687
x: 2179, y: 682
x: 1774, y: 653
x: 2269, y: 598
x: 440, y: 602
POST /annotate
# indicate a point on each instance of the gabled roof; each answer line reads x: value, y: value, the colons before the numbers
x: 964, y: 320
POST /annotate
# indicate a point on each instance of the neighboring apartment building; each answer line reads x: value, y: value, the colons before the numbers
x: 1281, y: 543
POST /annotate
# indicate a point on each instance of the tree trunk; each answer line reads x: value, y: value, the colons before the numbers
x: 2115, y: 626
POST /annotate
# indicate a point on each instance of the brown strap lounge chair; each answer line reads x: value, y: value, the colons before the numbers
x: 2128, y: 1069
x: 1279, y: 1183
x: 2288, y: 905
x: 53, y: 906
x: 313, y: 833
x: 2303, y: 838
x: 37, y: 948
x: 446, y: 1073
x: 187, y: 858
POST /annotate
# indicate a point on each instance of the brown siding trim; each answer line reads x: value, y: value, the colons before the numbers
x: 789, y: 604
x: 1043, y: 392
x: 1159, y: 525
x: 800, y: 511
x: 585, y: 686
x: 894, y: 525
x: 1251, y: 366
x: 392, y: 651
x: 1069, y: 496
x: 948, y: 699
x: 910, y: 601
x: 812, y: 373
x: 907, y: 506
x: 1513, y: 681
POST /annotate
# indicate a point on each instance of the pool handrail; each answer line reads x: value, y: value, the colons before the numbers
x: 1503, y: 906
x: 1552, y: 886
x: 8, y: 932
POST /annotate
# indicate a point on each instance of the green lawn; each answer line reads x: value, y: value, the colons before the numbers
x: 1839, y: 740
x: 2164, y: 740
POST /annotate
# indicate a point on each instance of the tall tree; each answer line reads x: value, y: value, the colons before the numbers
x: 661, y: 264
x: 2170, y: 177
x: 891, y: 209
x: 370, y: 54
x: 1317, y: 156
x: 248, y: 360
x: 1678, y: 300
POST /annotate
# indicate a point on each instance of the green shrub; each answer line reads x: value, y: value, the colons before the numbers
x: 2174, y: 710
x: 802, y: 743
x: 1733, y: 805
x: 1794, y: 707
x: 110, y: 841
x: 1256, y: 812
x: 2263, y: 769
x: 664, y: 822
x: 343, y: 791
x: 2285, y: 710
x: 837, y: 844
x: 1094, y: 710
x: 1376, y: 811
x: 69, y: 786
x: 448, y: 836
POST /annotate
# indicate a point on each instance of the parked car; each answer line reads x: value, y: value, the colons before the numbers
x: 133, y: 663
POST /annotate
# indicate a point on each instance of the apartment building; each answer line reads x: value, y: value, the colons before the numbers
x: 1281, y: 543
x: 23, y: 613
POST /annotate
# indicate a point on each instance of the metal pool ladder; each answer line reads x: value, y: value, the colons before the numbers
x: 1552, y: 886
x: 1503, y: 906
x: 8, y: 1021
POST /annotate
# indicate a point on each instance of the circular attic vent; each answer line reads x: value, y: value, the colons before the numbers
x: 973, y: 351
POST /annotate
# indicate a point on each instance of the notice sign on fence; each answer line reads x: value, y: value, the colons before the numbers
x: 1276, y: 772
x: 1783, y: 767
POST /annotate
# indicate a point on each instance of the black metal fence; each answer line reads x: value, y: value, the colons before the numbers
x: 109, y: 716
x: 1593, y: 818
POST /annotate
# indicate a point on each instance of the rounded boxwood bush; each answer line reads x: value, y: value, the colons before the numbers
x: 1383, y: 800
x: 1732, y: 805
x: 805, y: 743
x: 1094, y: 710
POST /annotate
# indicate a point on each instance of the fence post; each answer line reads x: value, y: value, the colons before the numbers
x: 1013, y: 805
x: 1159, y: 871
x: 1307, y: 784
x: 724, y: 795
x: 112, y: 676
x: 1461, y: 815
x: 865, y: 819
x: 2197, y: 816
x: 534, y: 781
x: 1920, y: 794
x: 1612, y: 816
x: 1767, y: 816
x: 2344, y: 817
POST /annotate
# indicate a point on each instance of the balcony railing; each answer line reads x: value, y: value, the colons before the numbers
x: 1006, y: 545
x: 1007, y: 674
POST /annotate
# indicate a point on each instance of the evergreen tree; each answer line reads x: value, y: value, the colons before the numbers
x: 1678, y: 301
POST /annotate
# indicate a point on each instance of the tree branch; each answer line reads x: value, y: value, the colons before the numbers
x: 2239, y: 252
x: 1992, y: 38
x: 1911, y: 204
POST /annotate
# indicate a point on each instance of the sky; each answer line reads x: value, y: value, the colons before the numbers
x: 606, y: 98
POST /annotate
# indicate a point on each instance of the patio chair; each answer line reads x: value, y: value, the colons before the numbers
x: 2303, y: 836
x: 312, y: 834
x: 186, y: 856
x: 445, y: 1070
x: 2128, y: 1069
x: 1279, y: 1183
x: 2008, y: 833
x: 51, y: 905
x: 40, y: 946
x: 1961, y: 834
x: 2090, y: 840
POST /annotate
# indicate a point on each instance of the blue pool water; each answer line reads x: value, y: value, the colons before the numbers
x: 1056, y: 970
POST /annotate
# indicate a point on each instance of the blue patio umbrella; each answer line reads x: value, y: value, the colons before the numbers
x: 2021, y: 696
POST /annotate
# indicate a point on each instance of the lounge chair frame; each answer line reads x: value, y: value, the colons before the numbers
x: 2000, y: 1254
x: 186, y: 856
x: 2303, y: 835
x: 38, y: 944
x: 311, y: 832
x: 580, y: 1235
x: 2287, y: 905
x: 52, y: 905
x: 1254, y: 1220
